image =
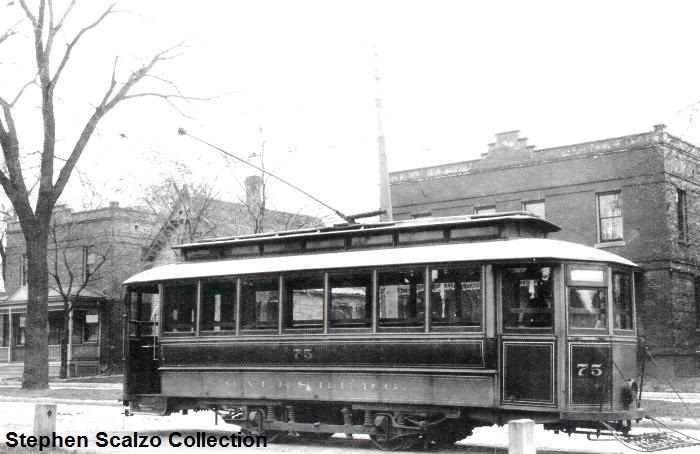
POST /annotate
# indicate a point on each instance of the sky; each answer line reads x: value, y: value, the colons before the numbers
x: 297, y: 79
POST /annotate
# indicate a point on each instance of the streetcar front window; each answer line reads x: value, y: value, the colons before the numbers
x: 588, y: 297
x: 455, y: 296
x: 179, y: 306
x: 402, y: 297
x: 143, y: 311
x: 218, y: 307
x: 527, y: 297
x: 622, y: 300
x: 587, y: 308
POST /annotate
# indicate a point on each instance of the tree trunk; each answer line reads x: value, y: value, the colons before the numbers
x: 65, y: 338
x: 36, y: 360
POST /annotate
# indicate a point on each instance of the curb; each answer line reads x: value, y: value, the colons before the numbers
x: 671, y: 423
x: 51, y: 400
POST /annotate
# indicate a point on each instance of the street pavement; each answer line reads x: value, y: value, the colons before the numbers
x: 88, y: 420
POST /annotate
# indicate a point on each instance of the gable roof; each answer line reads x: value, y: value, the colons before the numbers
x: 221, y: 218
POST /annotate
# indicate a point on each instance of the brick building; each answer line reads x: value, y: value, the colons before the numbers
x: 104, y: 247
x: 636, y: 196
x: 98, y: 246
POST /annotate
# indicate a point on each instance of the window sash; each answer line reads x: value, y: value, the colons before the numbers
x: 610, y: 216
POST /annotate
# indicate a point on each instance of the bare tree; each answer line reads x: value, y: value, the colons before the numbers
x: 35, y: 220
x: 68, y: 276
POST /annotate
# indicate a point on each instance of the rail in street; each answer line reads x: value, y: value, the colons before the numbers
x: 89, y: 420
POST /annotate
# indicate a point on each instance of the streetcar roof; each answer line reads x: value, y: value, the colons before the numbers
x: 473, y: 220
x: 538, y: 249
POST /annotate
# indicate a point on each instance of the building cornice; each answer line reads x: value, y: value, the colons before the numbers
x: 531, y: 157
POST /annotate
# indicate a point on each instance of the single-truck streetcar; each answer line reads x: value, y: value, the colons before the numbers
x: 410, y: 331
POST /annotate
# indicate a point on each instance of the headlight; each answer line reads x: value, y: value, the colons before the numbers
x: 630, y: 390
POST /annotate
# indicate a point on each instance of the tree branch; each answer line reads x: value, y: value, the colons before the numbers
x: 21, y: 91
x: 105, y: 106
x: 53, y: 30
x: 168, y: 98
x: 28, y: 13
x: 9, y: 32
x: 13, y: 182
x: 76, y: 39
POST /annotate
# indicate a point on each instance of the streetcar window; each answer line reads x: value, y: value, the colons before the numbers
x: 402, y: 297
x: 259, y: 303
x: 218, y: 308
x: 304, y: 300
x: 622, y: 300
x: 143, y: 302
x: 179, y: 306
x: 587, y: 308
x: 527, y: 297
x: 455, y: 296
x: 351, y: 299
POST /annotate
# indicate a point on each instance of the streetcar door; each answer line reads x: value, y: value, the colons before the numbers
x: 141, y: 368
x: 527, y: 340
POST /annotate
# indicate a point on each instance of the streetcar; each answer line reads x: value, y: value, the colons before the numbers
x: 410, y: 331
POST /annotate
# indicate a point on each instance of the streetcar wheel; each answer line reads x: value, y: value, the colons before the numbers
x: 394, y: 444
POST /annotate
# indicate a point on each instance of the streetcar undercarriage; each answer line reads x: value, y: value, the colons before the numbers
x: 390, y: 427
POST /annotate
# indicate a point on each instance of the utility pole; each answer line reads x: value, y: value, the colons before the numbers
x: 384, y: 189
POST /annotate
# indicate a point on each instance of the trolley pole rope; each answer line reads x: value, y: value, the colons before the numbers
x: 346, y: 218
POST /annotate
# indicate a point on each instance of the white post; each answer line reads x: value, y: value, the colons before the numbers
x: 44, y: 419
x: 521, y: 436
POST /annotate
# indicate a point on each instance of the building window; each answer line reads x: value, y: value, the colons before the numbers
x: 91, y: 329
x: 682, y: 210
x: 19, y: 329
x: 535, y: 207
x: 426, y: 214
x: 4, y: 330
x: 86, y: 328
x: 89, y: 261
x: 485, y: 210
x: 610, y: 216
x: 55, y: 327
x: 23, y: 270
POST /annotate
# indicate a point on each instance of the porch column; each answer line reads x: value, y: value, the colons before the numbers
x: 70, y: 334
x: 101, y: 309
x: 11, y: 338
